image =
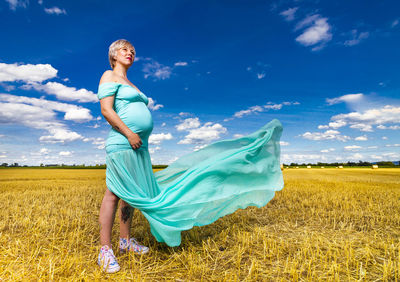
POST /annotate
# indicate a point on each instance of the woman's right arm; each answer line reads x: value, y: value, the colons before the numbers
x: 114, y: 120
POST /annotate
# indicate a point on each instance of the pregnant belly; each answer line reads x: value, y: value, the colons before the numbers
x: 138, y: 118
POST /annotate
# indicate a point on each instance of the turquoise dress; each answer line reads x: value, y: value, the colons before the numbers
x: 199, y: 187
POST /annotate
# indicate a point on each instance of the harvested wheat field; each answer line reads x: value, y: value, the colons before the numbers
x: 325, y: 224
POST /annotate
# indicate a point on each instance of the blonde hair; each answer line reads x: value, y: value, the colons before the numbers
x: 114, y: 47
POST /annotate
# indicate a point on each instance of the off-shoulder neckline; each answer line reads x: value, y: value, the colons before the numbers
x: 122, y: 84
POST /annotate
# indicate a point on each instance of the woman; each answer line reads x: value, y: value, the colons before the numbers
x: 195, y: 190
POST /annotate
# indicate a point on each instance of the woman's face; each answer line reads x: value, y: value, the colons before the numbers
x: 125, y: 56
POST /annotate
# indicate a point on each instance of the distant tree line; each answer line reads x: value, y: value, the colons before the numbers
x: 102, y: 166
x: 351, y: 164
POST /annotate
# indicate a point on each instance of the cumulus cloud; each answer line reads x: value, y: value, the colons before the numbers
x: 41, y: 114
x: 26, y: 73
x: 55, y: 11
x: 60, y: 135
x: 289, y: 14
x: 361, y: 138
x: 180, y: 64
x: 392, y: 127
x: 284, y: 143
x: 348, y: 98
x: 156, y: 70
x: 156, y: 139
x: 327, y: 135
x: 99, y: 142
x: 72, y: 112
x: 318, y: 32
x: 65, y: 153
x: 63, y: 92
x: 328, y: 150
x: 188, y: 123
x: 364, y: 120
x: 204, y: 134
x: 153, y: 106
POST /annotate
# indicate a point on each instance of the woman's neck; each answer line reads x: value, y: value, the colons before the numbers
x: 120, y: 71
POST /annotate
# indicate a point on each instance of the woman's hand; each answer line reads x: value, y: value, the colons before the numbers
x: 134, y: 140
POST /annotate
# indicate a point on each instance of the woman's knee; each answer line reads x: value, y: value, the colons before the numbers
x: 110, y: 196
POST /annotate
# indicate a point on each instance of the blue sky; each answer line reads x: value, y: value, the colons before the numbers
x: 214, y: 70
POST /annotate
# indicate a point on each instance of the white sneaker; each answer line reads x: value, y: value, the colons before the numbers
x: 107, y: 260
x: 132, y: 246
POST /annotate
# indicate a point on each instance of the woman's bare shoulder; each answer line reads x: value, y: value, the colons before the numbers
x: 108, y: 76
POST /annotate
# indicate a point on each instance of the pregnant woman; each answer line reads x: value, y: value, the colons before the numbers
x: 195, y: 190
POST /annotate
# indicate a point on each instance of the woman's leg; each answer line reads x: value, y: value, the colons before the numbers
x: 107, y: 216
x: 126, y: 214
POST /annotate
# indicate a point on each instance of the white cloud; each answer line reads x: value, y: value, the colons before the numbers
x: 60, y: 135
x: 198, y: 147
x: 27, y: 73
x: 180, y: 64
x: 284, y: 143
x: 260, y: 75
x: 204, y: 134
x: 362, y: 127
x: 188, y: 123
x: 156, y: 139
x: 289, y: 14
x: 337, y: 124
x: 392, y: 127
x: 395, y: 23
x: 328, y: 150
x: 361, y: 138
x: 237, y: 135
x: 317, y: 33
x: 263, y: 108
x: 153, y: 106
x: 352, y: 147
x: 65, y: 153
x: 55, y: 10
x: 156, y: 71
x: 153, y: 150
x: 255, y: 109
x: 300, y: 158
x: 364, y: 120
x: 17, y: 3
x: 72, y: 112
x: 348, y: 98
x: 183, y: 114
x: 323, y: 126
x: 327, y: 135
x: 392, y: 145
x: 40, y: 114
x: 384, y: 138
x: 63, y: 92
x: 356, y: 37
x: 99, y: 142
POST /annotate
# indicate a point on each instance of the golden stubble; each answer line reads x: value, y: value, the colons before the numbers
x: 324, y: 225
